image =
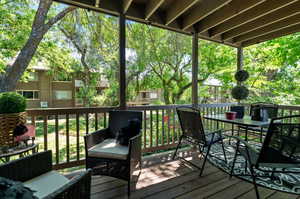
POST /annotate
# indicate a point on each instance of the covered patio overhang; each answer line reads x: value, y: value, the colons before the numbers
x: 236, y: 23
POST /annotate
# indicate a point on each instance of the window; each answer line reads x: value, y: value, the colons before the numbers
x: 62, y: 78
x: 153, y: 95
x: 63, y: 95
x: 144, y: 95
x: 29, y: 94
x: 33, y: 76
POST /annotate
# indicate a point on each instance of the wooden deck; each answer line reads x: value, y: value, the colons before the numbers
x: 163, y: 178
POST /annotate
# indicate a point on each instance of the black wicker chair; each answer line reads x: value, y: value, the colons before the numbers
x: 35, y: 165
x: 194, y: 133
x: 272, y: 111
x: 121, y: 164
x: 280, y: 150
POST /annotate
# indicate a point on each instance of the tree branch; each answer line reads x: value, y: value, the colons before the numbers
x: 58, y: 17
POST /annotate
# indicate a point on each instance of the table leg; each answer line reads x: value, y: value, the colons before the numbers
x: 232, y: 132
x: 246, y: 134
x: 261, y: 134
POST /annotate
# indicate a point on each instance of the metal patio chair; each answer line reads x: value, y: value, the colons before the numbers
x: 272, y: 112
x: 280, y: 150
x: 194, y: 133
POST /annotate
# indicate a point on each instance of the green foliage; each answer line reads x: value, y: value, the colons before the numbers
x: 11, y: 102
x: 156, y: 58
x: 240, y: 92
x: 241, y: 75
x: 16, y: 19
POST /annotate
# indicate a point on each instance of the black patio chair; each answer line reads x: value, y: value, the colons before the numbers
x: 272, y: 112
x: 39, y: 165
x: 280, y: 150
x: 194, y: 133
x: 105, y: 156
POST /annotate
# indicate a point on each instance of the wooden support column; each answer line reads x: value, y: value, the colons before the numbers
x: 195, y: 65
x: 240, y: 60
x: 122, y: 61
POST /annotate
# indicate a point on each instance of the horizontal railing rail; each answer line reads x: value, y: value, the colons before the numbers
x: 62, y: 129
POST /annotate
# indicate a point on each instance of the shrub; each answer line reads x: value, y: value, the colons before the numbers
x: 11, y: 102
x: 240, y: 92
x: 241, y: 75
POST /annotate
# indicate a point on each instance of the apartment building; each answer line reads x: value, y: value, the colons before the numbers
x: 43, y: 91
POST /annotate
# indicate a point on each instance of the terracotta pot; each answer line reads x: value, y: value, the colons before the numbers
x: 230, y: 115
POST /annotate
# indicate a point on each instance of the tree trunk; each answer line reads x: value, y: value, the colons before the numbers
x: 13, y: 73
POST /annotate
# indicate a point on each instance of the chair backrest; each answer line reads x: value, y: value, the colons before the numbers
x: 281, y: 147
x: 191, y: 123
x: 119, y: 119
x: 272, y: 109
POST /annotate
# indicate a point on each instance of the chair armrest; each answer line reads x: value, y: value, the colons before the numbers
x: 95, y: 138
x: 29, y: 167
x: 78, y: 187
x: 135, y: 146
x: 135, y: 152
x: 246, y: 144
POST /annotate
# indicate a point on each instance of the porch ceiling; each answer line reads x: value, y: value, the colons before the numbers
x: 232, y: 22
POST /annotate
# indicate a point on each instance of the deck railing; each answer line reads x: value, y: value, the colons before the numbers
x: 62, y: 129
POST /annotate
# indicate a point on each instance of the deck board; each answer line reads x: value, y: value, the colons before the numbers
x: 163, y: 178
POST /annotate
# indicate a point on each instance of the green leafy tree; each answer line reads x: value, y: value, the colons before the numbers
x: 91, y: 36
x: 23, y: 28
x: 162, y: 59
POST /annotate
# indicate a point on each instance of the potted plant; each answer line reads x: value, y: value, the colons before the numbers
x: 240, y: 92
x: 12, y: 114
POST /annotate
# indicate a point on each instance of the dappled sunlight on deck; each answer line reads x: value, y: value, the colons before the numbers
x: 162, y: 177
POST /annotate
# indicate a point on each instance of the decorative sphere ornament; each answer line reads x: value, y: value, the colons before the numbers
x: 240, y: 92
x: 241, y: 75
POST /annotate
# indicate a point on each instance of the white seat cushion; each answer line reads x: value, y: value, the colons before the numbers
x: 109, y: 148
x: 46, y: 183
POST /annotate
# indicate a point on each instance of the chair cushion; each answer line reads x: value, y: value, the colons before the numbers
x: 109, y: 148
x: 46, y: 183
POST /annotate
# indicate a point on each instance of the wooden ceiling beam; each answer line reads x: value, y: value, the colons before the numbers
x: 250, y: 15
x: 270, y: 36
x: 178, y: 8
x: 151, y: 7
x: 126, y: 5
x: 232, y: 9
x: 202, y: 10
x: 285, y: 23
x: 270, y: 18
x: 106, y: 6
x: 136, y: 13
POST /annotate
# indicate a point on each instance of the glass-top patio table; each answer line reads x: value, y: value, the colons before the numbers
x: 246, y: 122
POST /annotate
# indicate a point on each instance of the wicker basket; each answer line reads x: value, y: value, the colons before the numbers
x: 8, y: 123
